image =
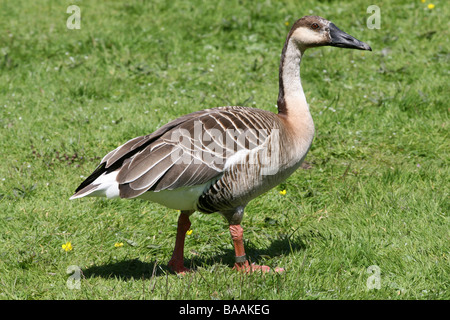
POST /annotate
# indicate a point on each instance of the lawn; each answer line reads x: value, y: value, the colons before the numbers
x: 372, y: 203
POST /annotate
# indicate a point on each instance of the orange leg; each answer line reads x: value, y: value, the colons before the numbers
x: 176, y: 263
x: 242, y: 264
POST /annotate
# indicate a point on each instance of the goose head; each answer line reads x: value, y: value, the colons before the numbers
x: 315, y: 31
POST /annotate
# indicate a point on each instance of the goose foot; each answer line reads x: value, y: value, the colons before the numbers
x: 178, y: 267
x: 177, y: 260
x: 242, y: 264
x: 249, y: 268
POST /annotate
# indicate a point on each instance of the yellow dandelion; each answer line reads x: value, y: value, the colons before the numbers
x: 423, y: 1
x: 118, y: 244
x: 431, y: 6
x: 286, y: 23
x: 283, y: 192
x: 67, y: 246
x: 189, y: 232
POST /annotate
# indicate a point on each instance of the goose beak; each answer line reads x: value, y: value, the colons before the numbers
x: 339, y: 38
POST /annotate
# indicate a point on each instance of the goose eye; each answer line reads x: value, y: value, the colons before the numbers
x: 315, y: 26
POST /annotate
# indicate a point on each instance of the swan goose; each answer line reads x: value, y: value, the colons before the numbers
x: 217, y: 160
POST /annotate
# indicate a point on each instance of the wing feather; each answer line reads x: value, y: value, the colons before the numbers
x: 180, y: 154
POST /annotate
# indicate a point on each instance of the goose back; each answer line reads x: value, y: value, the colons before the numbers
x: 226, y: 156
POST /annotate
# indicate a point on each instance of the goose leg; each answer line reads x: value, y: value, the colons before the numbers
x: 176, y: 263
x: 242, y: 264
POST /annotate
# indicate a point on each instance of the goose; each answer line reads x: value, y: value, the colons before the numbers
x: 218, y: 159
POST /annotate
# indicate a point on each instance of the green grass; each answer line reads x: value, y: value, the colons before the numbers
x: 376, y: 192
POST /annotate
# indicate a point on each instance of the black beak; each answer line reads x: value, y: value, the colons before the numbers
x: 343, y: 40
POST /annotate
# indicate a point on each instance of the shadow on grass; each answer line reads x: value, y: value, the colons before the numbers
x: 136, y: 269
x: 127, y: 269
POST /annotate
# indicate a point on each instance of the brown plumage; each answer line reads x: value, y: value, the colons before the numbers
x: 169, y: 158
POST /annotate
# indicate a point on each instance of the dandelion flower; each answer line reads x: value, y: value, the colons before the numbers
x: 283, y: 192
x: 118, y: 244
x: 67, y: 246
x: 423, y: 1
x: 286, y: 23
x: 189, y: 232
x: 431, y: 6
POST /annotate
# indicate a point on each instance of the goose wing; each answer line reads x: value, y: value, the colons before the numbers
x: 191, y: 150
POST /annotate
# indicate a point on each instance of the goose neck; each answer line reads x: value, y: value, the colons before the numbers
x: 291, y: 98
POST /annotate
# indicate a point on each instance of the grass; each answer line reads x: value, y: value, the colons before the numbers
x: 376, y: 192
